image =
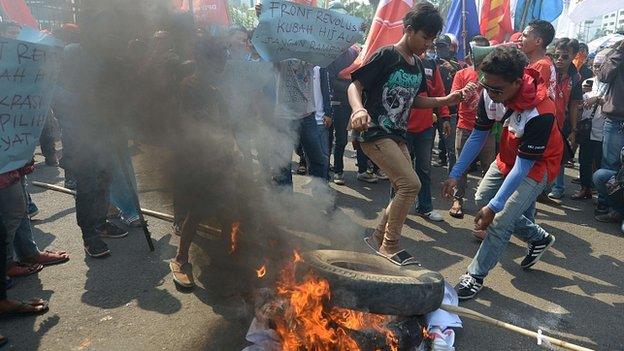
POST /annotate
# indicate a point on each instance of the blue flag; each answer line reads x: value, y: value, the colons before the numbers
x: 454, y: 23
x: 547, y: 10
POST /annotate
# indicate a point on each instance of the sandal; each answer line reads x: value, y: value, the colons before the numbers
x: 182, y: 274
x: 371, y: 242
x: 23, y: 269
x: 401, y: 258
x: 27, y: 308
x: 457, y: 213
x: 48, y: 258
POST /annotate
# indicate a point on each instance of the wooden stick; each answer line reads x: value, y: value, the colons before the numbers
x: 483, y: 318
x: 164, y: 216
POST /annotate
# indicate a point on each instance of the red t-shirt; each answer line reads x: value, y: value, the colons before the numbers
x: 422, y: 119
x: 467, y: 108
x: 529, y: 132
x: 567, y: 90
x: 547, y: 72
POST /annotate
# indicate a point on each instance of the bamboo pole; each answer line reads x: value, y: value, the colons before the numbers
x: 164, y: 216
x: 483, y: 318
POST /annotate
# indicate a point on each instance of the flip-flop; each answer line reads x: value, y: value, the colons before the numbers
x: 180, y: 277
x: 51, y: 262
x: 23, y: 270
x: 26, y: 308
x: 401, y: 259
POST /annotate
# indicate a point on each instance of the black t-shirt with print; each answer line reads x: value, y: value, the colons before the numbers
x: 390, y: 85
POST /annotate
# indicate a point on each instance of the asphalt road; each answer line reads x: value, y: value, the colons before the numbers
x: 128, y: 301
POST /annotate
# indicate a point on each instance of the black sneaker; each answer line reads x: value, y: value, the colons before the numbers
x: 468, y: 287
x: 601, y: 210
x: 536, y: 250
x: 109, y: 230
x: 96, y: 248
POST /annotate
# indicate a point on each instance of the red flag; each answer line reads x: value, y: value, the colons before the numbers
x: 209, y: 12
x: 496, y: 19
x: 305, y: 2
x: 386, y: 29
x: 17, y: 11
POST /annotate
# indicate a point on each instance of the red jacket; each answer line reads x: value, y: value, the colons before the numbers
x: 422, y: 119
x: 8, y: 178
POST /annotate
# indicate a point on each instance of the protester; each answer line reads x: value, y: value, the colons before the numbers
x: 581, y: 62
x: 392, y: 80
x: 323, y: 114
x: 420, y: 136
x: 611, y: 73
x: 589, y: 136
x: 530, y: 154
x: 568, y: 98
x: 445, y: 58
x: 534, y: 40
x: 466, y: 116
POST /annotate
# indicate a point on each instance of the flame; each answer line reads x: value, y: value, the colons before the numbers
x: 297, y: 257
x: 426, y: 334
x: 234, y: 236
x: 307, y: 323
x: 261, y: 271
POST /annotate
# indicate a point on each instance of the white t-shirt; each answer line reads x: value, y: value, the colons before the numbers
x: 318, y: 96
x: 598, y: 120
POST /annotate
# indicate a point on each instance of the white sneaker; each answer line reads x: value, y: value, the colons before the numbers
x: 381, y: 175
x: 432, y: 216
x: 339, y: 179
x: 367, y: 177
x: 442, y: 340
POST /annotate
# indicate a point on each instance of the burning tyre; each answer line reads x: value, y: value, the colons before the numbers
x: 370, y: 283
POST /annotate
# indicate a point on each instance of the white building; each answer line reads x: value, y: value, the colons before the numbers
x: 613, y: 21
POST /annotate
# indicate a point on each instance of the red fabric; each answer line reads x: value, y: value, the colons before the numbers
x: 467, y: 109
x: 386, y: 29
x: 422, y: 119
x: 18, y: 11
x: 306, y: 2
x: 546, y: 70
x: 495, y: 19
x: 527, y: 99
x: 11, y: 177
x: 209, y: 12
x: 562, y: 98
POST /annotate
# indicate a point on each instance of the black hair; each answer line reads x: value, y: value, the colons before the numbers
x: 426, y: 17
x: 567, y: 43
x: 544, y: 30
x: 583, y: 46
x: 480, y: 40
x: 505, y: 61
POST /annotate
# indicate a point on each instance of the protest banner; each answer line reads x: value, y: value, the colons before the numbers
x: 317, y: 36
x: 28, y: 72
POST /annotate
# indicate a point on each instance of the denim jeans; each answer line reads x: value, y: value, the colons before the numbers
x: 324, y: 141
x: 420, y: 145
x: 311, y: 142
x: 15, y: 217
x: 3, y: 261
x: 559, y: 185
x: 121, y: 194
x: 601, y: 177
x: 613, y: 141
x: 486, y: 157
x: 515, y: 218
x: 447, y: 142
x: 342, y: 113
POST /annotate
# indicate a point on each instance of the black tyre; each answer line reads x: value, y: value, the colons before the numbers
x: 371, y: 283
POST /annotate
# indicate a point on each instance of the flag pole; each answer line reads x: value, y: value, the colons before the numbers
x: 464, y: 32
x: 525, y: 13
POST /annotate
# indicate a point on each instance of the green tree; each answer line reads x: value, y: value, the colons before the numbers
x: 243, y: 16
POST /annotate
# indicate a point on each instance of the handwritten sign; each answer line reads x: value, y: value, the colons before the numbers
x: 317, y: 36
x: 27, y: 75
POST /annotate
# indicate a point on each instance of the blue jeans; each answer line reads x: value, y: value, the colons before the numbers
x: 420, y: 145
x: 342, y: 113
x: 19, y: 240
x: 601, y: 177
x: 311, y: 142
x: 559, y: 185
x: 324, y: 141
x: 121, y: 194
x: 515, y: 218
x: 613, y: 141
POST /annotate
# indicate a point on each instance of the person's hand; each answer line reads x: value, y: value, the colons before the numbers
x: 360, y: 120
x: 469, y: 89
x: 454, y: 98
x: 484, y: 218
x: 572, y: 138
x: 446, y: 64
x: 448, y: 187
x: 446, y: 128
x: 590, y: 102
x: 327, y: 121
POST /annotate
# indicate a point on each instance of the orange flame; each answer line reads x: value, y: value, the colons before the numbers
x: 261, y: 272
x: 308, y: 324
x: 426, y: 334
x: 234, y: 236
x: 297, y: 257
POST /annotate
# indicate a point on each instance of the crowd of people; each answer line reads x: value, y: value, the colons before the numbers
x: 516, y: 115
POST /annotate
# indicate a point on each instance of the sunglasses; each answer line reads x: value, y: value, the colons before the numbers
x: 492, y: 90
